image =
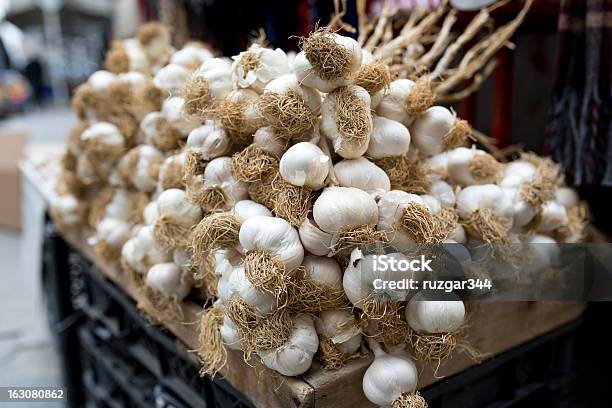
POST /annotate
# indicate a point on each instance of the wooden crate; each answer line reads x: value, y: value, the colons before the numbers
x: 494, y: 327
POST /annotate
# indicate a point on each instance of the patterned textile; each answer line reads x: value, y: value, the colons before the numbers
x: 579, y: 131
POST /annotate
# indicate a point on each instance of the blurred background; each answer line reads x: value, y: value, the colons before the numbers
x: 48, y: 47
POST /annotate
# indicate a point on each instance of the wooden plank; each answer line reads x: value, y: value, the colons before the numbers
x: 494, y: 327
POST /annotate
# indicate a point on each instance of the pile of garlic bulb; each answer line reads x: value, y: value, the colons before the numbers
x: 257, y: 180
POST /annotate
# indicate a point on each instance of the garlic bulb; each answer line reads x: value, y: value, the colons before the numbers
x: 257, y: 66
x: 168, y: 279
x: 389, y: 138
x: 517, y: 173
x: 546, y: 251
x: 523, y: 211
x: 430, y: 129
x: 294, y: 357
x: 172, y: 108
x: 444, y: 192
x: 389, y: 378
x: 156, y: 41
x: 145, y: 174
x: 304, y: 164
x: 567, y: 197
x: 208, y: 85
x: 239, y: 286
x: 158, y: 131
x: 217, y: 174
x: 472, y: 166
x: 103, y: 143
x: 427, y: 315
x: 209, y: 140
x: 171, y: 78
x: 101, y: 80
x: 230, y: 334
x: 245, y: 209
x: 239, y: 112
x: 346, y: 120
x: 112, y: 232
x: 339, y: 207
x: 127, y: 55
x: 392, y: 105
x: 171, y: 172
x: 274, y: 236
x: 552, y: 216
x: 269, y: 141
x: 488, y: 211
x: 362, y: 174
x: 173, y: 203
x: 438, y: 166
x: 314, y: 240
x: 391, y: 210
x: 336, y: 326
x: 324, y: 271
x: 67, y: 210
x: 140, y: 251
x: 191, y: 56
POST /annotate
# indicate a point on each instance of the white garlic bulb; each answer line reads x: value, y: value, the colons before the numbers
x: 218, y: 174
x: 209, y: 140
x: 68, y: 209
x: 245, y: 209
x: 339, y: 207
x: 388, y: 377
x: 429, y: 129
x: 257, y: 66
x: 294, y: 357
x: 392, y: 104
x: 567, y: 197
x: 191, y: 56
x: 314, y: 240
x: 391, y: 207
x: 104, y: 133
x: 269, y: 141
x: 389, y: 138
x: 523, y: 211
x: 138, y: 60
x: 171, y: 172
x: 101, y: 80
x: 274, y: 236
x: 239, y: 286
x: 435, y: 316
x: 469, y: 166
x: 444, y: 192
x: 158, y: 131
x: 346, y: 120
x: 171, y: 78
x: 304, y: 164
x: 120, y: 206
x: 362, y: 174
x: 229, y: 333
x: 168, y: 279
x: 488, y: 197
x: 546, y: 251
x: 308, y: 72
x: 113, y: 232
x: 174, y: 203
x: 552, y: 216
x: 323, y: 270
x: 248, y: 100
x: 172, y: 109
x: 145, y: 174
x: 216, y: 73
x: 288, y: 83
x: 516, y: 173
x: 438, y: 166
x: 335, y: 325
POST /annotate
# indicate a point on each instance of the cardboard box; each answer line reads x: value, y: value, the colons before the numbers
x: 11, y: 149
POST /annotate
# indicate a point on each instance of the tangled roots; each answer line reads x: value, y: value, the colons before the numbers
x: 211, y: 351
x: 210, y: 198
x: 420, y: 223
x: 288, y: 113
x: 117, y: 60
x: 108, y: 252
x: 485, y: 169
x: 290, y: 202
x: 405, y: 174
x: 99, y: 153
x: 231, y: 115
x: 308, y: 296
x: 578, y: 218
x: 251, y: 163
x: 148, y: 98
x: 409, y: 400
x: 445, y: 222
x: 373, y: 77
x: 194, y: 164
x: 457, y: 135
x: 349, y: 238
x: 483, y: 223
x: 433, y: 347
x: 543, y: 185
x: 218, y: 230
x: 266, y: 272
x: 167, y: 137
x: 166, y: 308
x: 97, y: 209
x: 170, y: 235
x: 329, y: 59
x: 379, y: 308
x: 198, y: 99
x: 353, y: 118
x: 171, y: 175
x: 419, y: 98
x: 249, y: 62
x: 329, y: 354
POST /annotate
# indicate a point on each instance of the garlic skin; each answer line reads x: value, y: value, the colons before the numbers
x: 229, y: 332
x: 101, y: 80
x: 458, y: 235
x: 323, y: 270
x: 172, y: 109
x: 239, y: 286
x: 69, y: 209
x: 217, y: 174
x: 488, y: 196
x: 516, y: 173
x: 347, y: 339
x: 210, y: 140
x: 362, y: 174
x: 339, y: 207
x: 269, y: 142
x: 393, y: 101
x: 137, y: 57
x: 113, y: 231
x: 174, y: 203
x: 389, y: 138
x: 314, y: 240
x: 307, y: 75
x: 168, y: 279
x: 552, y: 216
x: 362, y: 271
x: 435, y: 316
x: 269, y: 64
x: 274, y: 236
x: 344, y: 144
x: 388, y: 377
x: 429, y: 128
x: 142, y: 179
x: 444, y: 192
x: 171, y: 78
x: 120, y: 206
x: 289, y: 83
x: 217, y: 72
x: 304, y: 164
x: 391, y: 208
x: 140, y: 251
x: 567, y: 197
x: 103, y: 132
x: 459, y: 160
x: 191, y: 56
x: 438, y: 166
x: 294, y: 357
x: 523, y: 212
x: 245, y: 209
